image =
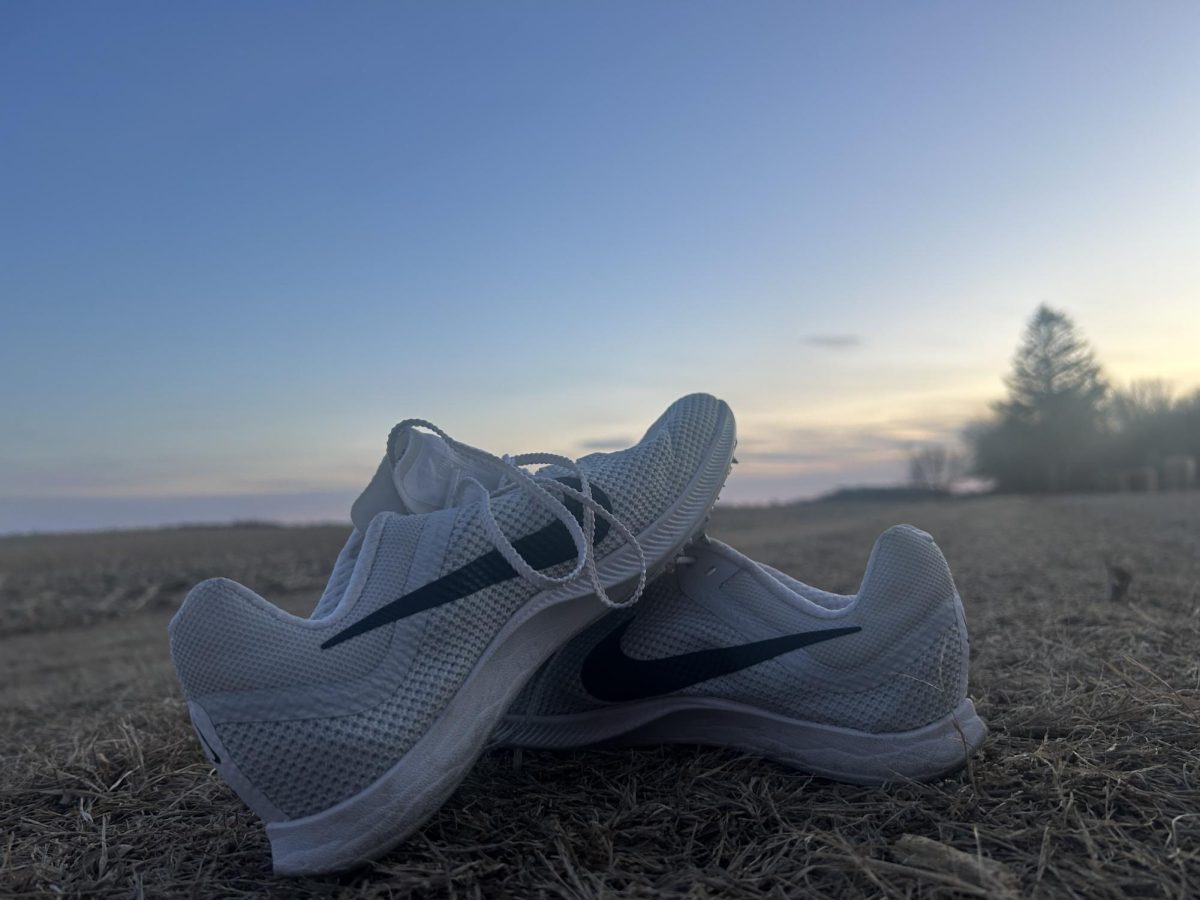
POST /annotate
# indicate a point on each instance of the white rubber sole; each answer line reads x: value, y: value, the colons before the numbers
x: 842, y: 754
x: 366, y: 825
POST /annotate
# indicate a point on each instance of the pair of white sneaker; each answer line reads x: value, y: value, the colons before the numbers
x: 475, y: 602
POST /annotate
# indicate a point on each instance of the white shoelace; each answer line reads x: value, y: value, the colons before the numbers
x: 684, y: 559
x: 510, y: 468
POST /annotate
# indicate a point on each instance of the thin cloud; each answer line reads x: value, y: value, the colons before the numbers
x: 824, y: 449
x: 833, y: 340
x: 612, y: 442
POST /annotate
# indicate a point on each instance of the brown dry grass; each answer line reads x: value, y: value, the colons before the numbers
x: 1088, y: 787
x: 77, y: 579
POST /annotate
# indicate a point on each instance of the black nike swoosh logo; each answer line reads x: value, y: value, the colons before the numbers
x: 546, y: 547
x: 611, y: 675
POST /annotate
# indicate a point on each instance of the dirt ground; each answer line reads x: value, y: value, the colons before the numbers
x: 1089, y: 785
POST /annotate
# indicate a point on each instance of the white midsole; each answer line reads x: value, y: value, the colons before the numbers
x: 843, y: 754
x: 382, y: 815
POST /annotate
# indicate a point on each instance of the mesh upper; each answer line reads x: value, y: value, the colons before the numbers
x: 339, y: 579
x: 222, y: 641
x: 232, y: 649
x: 904, y: 669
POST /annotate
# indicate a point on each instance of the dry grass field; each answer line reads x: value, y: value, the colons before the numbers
x: 1089, y: 785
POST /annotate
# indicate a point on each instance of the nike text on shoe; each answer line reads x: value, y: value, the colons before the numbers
x: 346, y: 730
x: 725, y: 651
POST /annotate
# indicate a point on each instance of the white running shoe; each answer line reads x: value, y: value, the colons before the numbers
x: 345, y: 731
x: 841, y: 725
x: 725, y: 651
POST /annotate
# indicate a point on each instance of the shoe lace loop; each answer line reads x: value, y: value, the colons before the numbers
x: 542, y: 492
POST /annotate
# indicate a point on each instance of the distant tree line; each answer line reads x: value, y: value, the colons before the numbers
x: 1064, y: 427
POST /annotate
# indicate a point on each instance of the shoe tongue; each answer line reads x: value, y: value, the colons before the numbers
x: 428, y: 474
x: 425, y: 477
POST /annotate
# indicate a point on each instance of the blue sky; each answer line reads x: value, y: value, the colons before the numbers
x: 240, y: 241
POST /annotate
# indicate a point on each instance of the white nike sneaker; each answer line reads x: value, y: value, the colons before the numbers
x: 346, y: 730
x: 725, y: 651
x: 850, y: 717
